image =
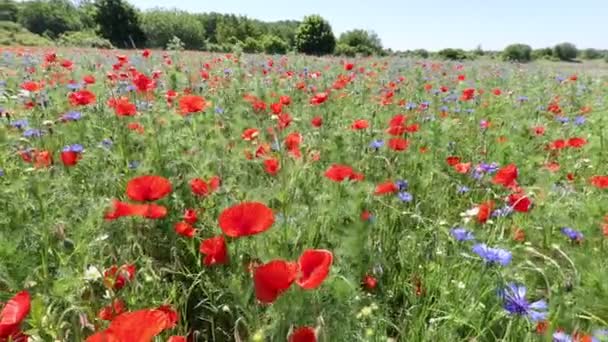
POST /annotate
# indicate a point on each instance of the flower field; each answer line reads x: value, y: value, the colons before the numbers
x: 181, y: 196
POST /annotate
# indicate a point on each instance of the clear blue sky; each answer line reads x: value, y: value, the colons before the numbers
x: 434, y: 24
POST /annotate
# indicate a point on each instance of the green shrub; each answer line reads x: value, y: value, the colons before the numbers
x: 565, y: 51
x: 274, y: 45
x: 252, y: 45
x: 345, y: 50
x: 364, y: 42
x: 453, y: 54
x: 14, y: 34
x: 591, y: 54
x: 314, y: 36
x: 517, y: 53
x: 160, y: 26
x: 50, y: 18
x: 85, y: 39
x: 421, y: 53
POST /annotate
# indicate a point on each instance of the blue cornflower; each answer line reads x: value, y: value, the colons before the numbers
x: 515, y: 303
x: 74, y: 86
x: 71, y: 116
x: 488, y: 168
x: 492, y: 255
x: 405, y: 196
x: 74, y: 148
x: 1, y: 173
x: 20, y: 124
x: 462, y: 189
x: 436, y: 92
x: 130, y: 88
x: 579, y: 120
x: 470, y: 110
x: 443, y: 109
x: 502, y: 212
x: 457, y: 110
x: 376, y: 144
x: 227, y: 71
x: 560, y: 79
x: 107, y: 143
x: 561, y: 336
x: 32, y: 132
x: 219, y: 110
x: 461, y: 234
x: 134, y: 164
x: 410, y: 106
x: 522, y: 99
x: 402, y: 184
x: 574, y: 235
x: 562, y: 119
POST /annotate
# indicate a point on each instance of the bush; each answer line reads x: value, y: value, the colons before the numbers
x: 314, y: 36
x: 364, y: 42
x: 420, y: 53
x: 274, y: 45
x: 345, y: 50
x: 51, y: 18
x: 161, y: 26
x: 591, y: 54
x: 14, y: 34
x: 565, y: 51
x: 545, y: 53
x: 517, y: 53
x: 252, y: 45
x: 453, y: 54
x: 119, y: 23
x: 85, y: 39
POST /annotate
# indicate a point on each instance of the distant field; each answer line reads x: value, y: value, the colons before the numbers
x: 222, y: 197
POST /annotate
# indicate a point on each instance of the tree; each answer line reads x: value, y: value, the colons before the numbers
x: 453, y: 54
x: 119, y: 23
x: 591, y: 54
x: 314, y: 36
x: 160, y: 26
x: 50, y: 18
x: 274, y: 45
x: 8, y: 10
x: 251, y: 45
x: 517, y: 53
x: 565, y: 51
x: 364, y: 42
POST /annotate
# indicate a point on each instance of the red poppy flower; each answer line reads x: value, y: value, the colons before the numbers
x: 388, y: 187
x: 396, y: 130
x: 250, y: 134
x: 148, y: 188
x: 190, y: 216
x: 201, y: 188
x: 319, y: 98
x: 506, y: 175
x: 109, y: 312
x: 177, y: 339
x: 519, y: 235
x: 143, y: 83
x: 369, y: 282
x: 398, y: 144
x: 272, y: 166
x: 145, y: 53
x: 600, y: 181
x: 359, y: 124
x: 467, y: 94
x: 12, y: 314
x: 539, y: 130
x: 31, y: 86
x: 496, y: 91
x: 303, y: 334
x: 462, y: 167
x: 272, y: 279
x: 89, y: 79
x: 69, y: 158
x: 452, y: 160
x: 244, y: 219
x: 189, y: 104
x: 184, y: 229
x: 122, y: 209
x: 277, y: 108
x: 215, y: 251
x: 576, y: 142
x: 117, y: 277
x: 485, y: 209
x: 284, y: 120
x: 286, y: 100
x: 137, y: 326
x: 66, y: 63
x: 82, y: 98
x: 314, y: 267
x: 122, y: 107
x: 338, y: 173
x: 558, y: 144
x: 348, y: 66
x: 317, y: 121
x: 520, y: 202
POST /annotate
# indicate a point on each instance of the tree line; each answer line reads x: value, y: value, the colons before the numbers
x: 116, y: 23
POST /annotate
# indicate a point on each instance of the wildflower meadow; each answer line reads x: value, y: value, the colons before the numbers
x: 190, y: 196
